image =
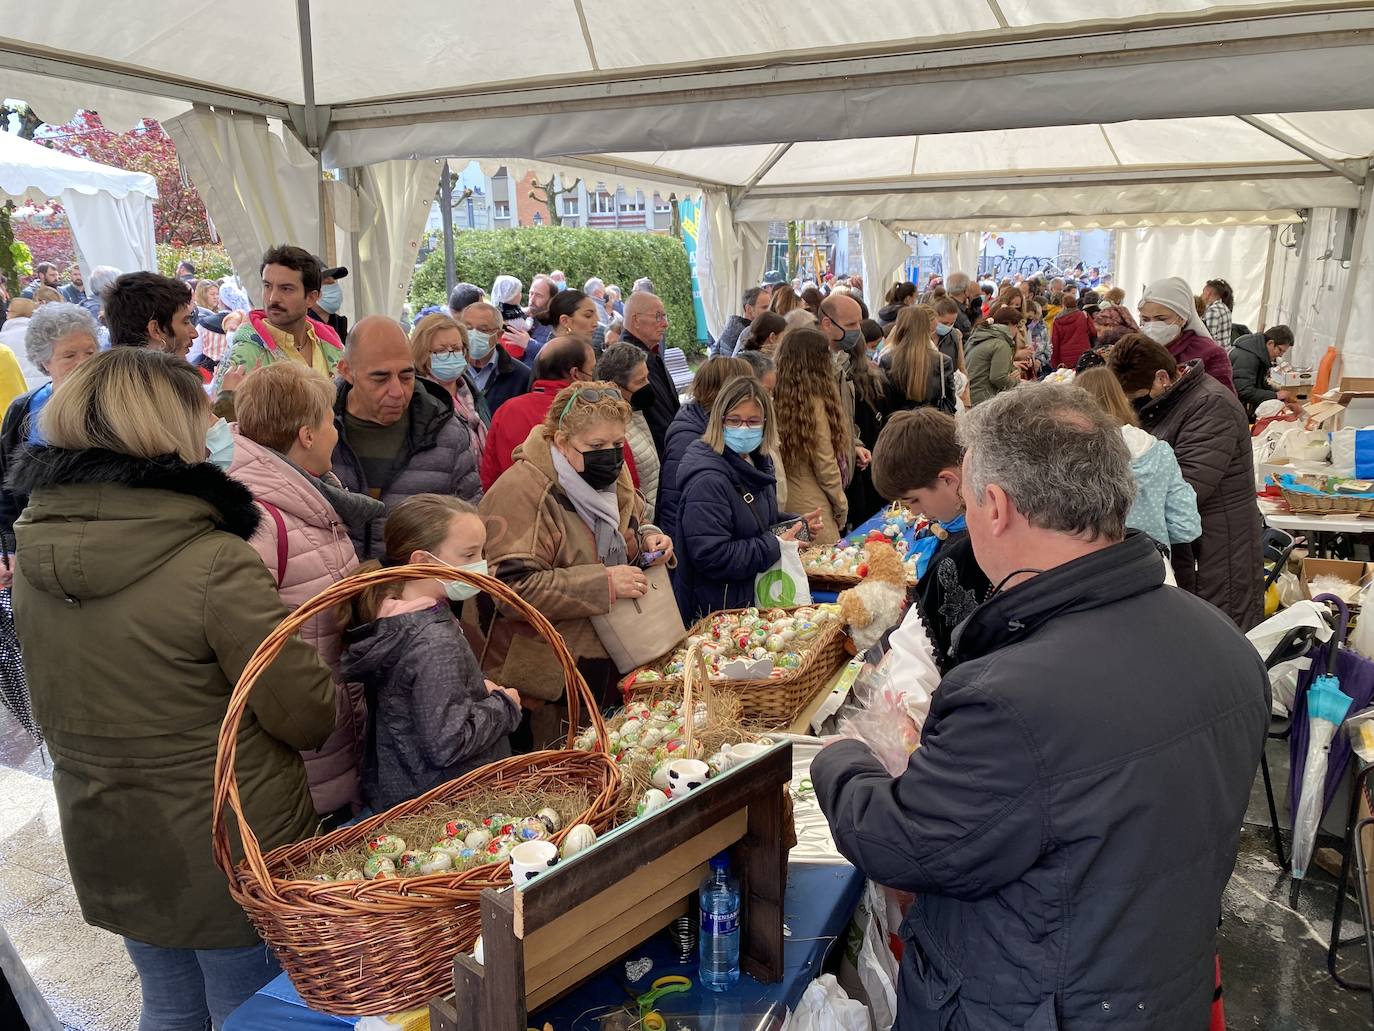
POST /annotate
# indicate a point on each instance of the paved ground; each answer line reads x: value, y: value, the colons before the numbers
x: 1273, y: 957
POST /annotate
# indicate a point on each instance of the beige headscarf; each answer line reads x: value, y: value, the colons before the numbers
x: 1175, y: 295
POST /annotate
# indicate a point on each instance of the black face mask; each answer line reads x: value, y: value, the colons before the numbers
x: 602, y: 468
x: 643, y: 398
x: 1139, y: 403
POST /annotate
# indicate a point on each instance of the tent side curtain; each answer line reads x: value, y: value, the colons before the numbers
x: 1238, y: 255
x: 730, y: 259
x: 394, y: 201
x: 115, y: 231
x: 884, y: 260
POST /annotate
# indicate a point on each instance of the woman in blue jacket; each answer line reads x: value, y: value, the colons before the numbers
x: 728, y: 504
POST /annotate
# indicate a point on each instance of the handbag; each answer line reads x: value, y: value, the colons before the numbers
x: 14, y: 682
x: 637, y: 631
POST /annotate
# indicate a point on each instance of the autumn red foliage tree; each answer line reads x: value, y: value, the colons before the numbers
x: 179, y: 212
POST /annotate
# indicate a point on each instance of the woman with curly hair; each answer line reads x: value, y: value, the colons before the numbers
x: 816, y: 438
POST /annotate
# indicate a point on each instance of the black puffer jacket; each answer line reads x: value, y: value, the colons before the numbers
x: 1072, y: 815
x: 1250, y: 365
x: 1206, y: 426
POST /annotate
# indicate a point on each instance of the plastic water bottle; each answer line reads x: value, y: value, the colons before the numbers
x: 719, y: 937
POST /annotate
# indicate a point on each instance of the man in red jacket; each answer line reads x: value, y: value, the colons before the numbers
x: 1072, y: 335
x: 561, y: 363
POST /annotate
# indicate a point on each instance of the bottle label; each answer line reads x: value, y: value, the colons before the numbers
x: 720, y: 923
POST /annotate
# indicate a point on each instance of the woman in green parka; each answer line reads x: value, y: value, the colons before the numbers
x: 138, y: 602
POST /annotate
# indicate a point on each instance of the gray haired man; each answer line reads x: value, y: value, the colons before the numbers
x: 1072, y: 813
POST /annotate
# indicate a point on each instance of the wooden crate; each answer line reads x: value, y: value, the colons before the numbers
x: 567, y: 924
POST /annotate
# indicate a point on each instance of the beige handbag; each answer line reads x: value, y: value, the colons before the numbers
x: 639, y: 630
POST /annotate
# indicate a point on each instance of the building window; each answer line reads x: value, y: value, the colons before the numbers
x: 603, y: 204
x: 570, y: 207
x: 502, y: 208
x: 661, y: 206
x: 632, y: 202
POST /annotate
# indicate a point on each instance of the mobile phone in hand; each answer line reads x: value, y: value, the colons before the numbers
x: 648, y: 558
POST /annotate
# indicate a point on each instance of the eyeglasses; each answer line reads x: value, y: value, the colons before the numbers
x: 743, y: 424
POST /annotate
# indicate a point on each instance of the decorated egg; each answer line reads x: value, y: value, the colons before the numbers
x: 551, y: 820
x: 630, y: 726
x: 720, y: 761
x: 322, y: 877
x: 477, y: 838
x: 584, y: 743
x: 652, y: 799
x: 807, y: 630
x: 496, y: 820
x: 651, y: 737
x: 409, y: 862
x: 450, y: 845
x: 659, y: 775
x: 531, y: 828
x: 580, y: 838
x: 498, y: 848
x: 458, y: 828
x: 379, y: 868
x: 695, y: 639
x: 774, y: 643
x: 789, y: 660
x: 675, y: 668
x: 387, y: 846
x: 436, y: 861
x: 751, y: 612
x: 351, y: 875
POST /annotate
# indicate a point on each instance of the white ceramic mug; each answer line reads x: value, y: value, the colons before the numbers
x: 747, y: 750
x: 686, y: 775
x: 530, y: 858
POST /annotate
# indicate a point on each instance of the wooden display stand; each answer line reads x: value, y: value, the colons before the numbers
x: 567, y: 924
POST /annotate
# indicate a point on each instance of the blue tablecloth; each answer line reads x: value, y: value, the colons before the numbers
x: 819, y: 902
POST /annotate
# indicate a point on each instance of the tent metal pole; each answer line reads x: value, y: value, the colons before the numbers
x: 779, y: 152
x: 1353, y: 280
x: 1302, y: 148
x: 446, y: 215
x: 311, y: 137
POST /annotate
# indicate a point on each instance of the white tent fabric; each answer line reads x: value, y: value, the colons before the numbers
x: 1236, y: 255
x: 719, y: 257
x: 884, y: 259
x: 110, y: 209
x: 394, y: 199
x: 962, y: 250
x: 259, y: 188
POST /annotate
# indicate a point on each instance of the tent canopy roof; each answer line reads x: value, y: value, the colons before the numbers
x: 33, y: 173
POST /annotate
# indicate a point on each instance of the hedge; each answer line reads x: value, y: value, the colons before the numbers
x: 211, y: 260
x: 481, y: 255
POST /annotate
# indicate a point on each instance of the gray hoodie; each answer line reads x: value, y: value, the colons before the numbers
x: 431, y: 717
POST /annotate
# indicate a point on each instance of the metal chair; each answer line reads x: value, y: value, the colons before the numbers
x: 1293, y: 645
x: 1278, y: 546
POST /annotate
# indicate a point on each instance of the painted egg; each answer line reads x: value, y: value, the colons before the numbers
x: 789, y: 660
x: 774, y: 643
x: 379, y: 868
x: 387, y: 845
x: 651, y: 737
x: 436, y: 861
x: 498, y: 848
x: 531, y: 828
x: 695, y: 639
x: 719, y: 762
x: 496, y: 820
x: 630, y: 726
x: 652, y: 799
x: 551, y: 820
x: 752, y: 612
x: 323, y: 878
x: 450, y: 845
x: 584, y: 743
x: 477, y: 838
x: 352, y: 875
x: 458, y: 828
x: 674, y: 669
x: 580, y: 838
x: 410, y: 862
x: 659, y: 776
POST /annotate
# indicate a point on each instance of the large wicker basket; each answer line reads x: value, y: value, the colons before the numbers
x: 374, y: 947
x: 1303, y: 503
x: 772, y: 702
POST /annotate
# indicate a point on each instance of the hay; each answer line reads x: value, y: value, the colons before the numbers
x: 425, y: 829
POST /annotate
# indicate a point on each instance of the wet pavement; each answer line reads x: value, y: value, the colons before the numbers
x: 1273, y: 957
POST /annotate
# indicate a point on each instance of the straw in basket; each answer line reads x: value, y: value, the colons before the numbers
x: 373, y: 947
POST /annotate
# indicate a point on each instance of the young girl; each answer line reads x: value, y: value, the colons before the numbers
x: 433, y: 716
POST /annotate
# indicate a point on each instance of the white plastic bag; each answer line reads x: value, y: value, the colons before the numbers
x: 824, y: 1006
x: 784, y: 584
x: 1283, y: 678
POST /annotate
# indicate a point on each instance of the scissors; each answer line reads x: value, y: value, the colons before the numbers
x: 651, y: 1019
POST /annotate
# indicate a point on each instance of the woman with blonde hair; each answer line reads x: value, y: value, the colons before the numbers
x: 785, y: 300
x: 815, y: 436
x: 136, y: 547
x: 1165, y: 505
x: 917, y: 373
x: 565, y: 530
x: 283, y: 451
x: 439, y: 345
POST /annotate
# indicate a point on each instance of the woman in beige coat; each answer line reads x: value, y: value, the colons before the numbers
x: 817, y: 445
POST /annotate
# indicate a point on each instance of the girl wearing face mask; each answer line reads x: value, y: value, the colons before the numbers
x: 568, y: 534
x: 439, y: 346
x: 1169, y: 317
x: 729, y: 503
x: 432, y: 716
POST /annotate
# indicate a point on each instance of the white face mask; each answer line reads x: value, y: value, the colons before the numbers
x: 1162, y: 333
x: 456, y: 589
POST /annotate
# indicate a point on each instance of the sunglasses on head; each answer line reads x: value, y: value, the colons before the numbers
x: 591, y: 395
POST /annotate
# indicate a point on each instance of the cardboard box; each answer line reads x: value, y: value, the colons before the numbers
x: 1357, y: 573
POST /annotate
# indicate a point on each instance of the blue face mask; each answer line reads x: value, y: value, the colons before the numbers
x: 331, y: 298
x: 942, y: 330
x: 743, y: 440
x: 479, y: 344
x: 456, y: 589
x: 447, y: 366
x: 219, y: 441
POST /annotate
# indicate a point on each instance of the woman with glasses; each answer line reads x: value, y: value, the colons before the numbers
x: 728, y: 506
x: 565, y: 530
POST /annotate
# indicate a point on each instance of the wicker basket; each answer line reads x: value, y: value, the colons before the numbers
x: 374, y: 947
x: 1327, y: 504
x: 773, y: 701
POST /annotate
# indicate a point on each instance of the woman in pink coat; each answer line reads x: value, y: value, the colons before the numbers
x: 283, y: 443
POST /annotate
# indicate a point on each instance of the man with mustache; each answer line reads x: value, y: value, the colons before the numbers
x: 282, y: 329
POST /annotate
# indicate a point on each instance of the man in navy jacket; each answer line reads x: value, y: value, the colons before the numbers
x: 1072, y: 814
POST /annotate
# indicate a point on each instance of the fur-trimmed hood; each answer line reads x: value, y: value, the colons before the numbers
x: 98, y: 520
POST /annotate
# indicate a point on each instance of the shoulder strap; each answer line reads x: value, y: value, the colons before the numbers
x: 275, y: 513
x: 747, y: 497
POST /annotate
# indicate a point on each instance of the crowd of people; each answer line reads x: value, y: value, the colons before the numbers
x: 192, y: 467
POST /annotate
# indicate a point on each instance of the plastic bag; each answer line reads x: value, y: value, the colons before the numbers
x: 908, y: 669
x: 824, y: 1006
x: 1361, y: 638
x: 887, y: 728
x: 1283, y: 678
x: 1360, y: 729
x: 869, y: 970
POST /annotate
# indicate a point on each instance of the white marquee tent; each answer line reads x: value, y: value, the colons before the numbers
x: 1195, y: 125
x: 110, y: 210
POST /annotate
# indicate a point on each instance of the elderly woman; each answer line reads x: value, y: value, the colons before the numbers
x: 59, y: 338
x: 565, y: 530
x: 283, y: 451
x: 439, y: 345
x: 627, y: 367
x: 1169, y: 317
x: 137, y: 547
x: 508, y: 293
